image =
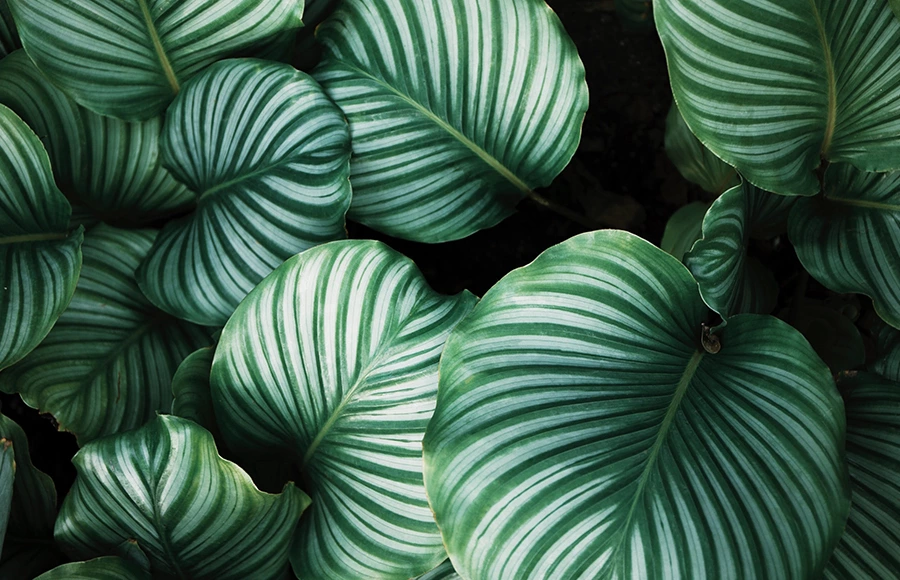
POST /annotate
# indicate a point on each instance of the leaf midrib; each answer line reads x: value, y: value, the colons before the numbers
x: 877, y: 205
x: 831, y: 114
x: 158, y: 47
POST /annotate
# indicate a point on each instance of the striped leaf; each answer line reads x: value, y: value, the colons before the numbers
x: 129, y: 59
x: 7, y: 482
x: 887, y: 361
x: 457, y: 108
x: 108, y: 166
x: 444, y: 571
x: 581, y: 430
x: 103, y: 568
x: 693, y: 160
x: 107, y: 365
x: 266, y: 154
x: 343, y: 380
x: 683, y: 229
x: 731, y: 282
x: 28, y: 549
x: 9, y: 36
x: 39, y: 258
x: 192, y: 513
x: 774, y: 87
x: 849, y: 239
x: 870, y: 546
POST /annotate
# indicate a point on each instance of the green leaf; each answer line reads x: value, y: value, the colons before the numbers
x: 108, y: 363
x: 28, y: 549
x: 39, y: 259
x: 129, y: 59
x: 110, y: 166
x: 444, y: 571
x: 267, y: 155
x: 581, y: 431
x: 343, y: 380
x: 870, y: 545
x: 774, y: 88
x: 832, y: 335
x: 194, y: 514
x: 849, y: 239
x: 485, y: 106
x: 731, y: 282
x: 683, y: 229
x: 887, y: 362
x: 693, y: 160
x: 9, y: 37
x: 191, y: 394
x: 637, y: 13
x: 104, y: 568
x: 7, y: 482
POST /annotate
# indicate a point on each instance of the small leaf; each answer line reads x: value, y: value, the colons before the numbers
x: 191, y: 392
x: 7, y: 483
x: 693, y: 160
x: 103, y: 568
x: 683, y: 229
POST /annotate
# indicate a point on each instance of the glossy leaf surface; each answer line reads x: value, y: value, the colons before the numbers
x: 693, y: 160
x: 107, y: 365
x: 581, y: 431
x: 190, y: 390
x: 266, y: 154
x: 193, y: 514
x: 128, y: 58
x: 103, y: 568
x: 775, y: 87
x: 457, y: 108
x: 343, y: 379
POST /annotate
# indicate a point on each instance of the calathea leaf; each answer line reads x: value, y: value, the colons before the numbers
x: 731, y: 282
x: 849, y: 239
x: 129, y: 59
x: 103, y: 568
x: 444, y: 571
x: 581, y: 431
x: 108, y: 363
x: 870, y: 545
x: 190, y: 390
x: 39, y: 258
x: 694, y: 161
x: 267, y: 155
x: 485, y: 106
x: 7, y: 482
x: 343, y: 380
x: 774, y: 88
x: 9, y: 36
x: 192, y: 513
x: 887, y: 348
x: 683, y: 229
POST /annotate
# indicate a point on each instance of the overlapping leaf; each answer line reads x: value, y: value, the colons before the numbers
x: 457, y: 108
x: 444, y: 571
x: 190, y: 390
x: 832, y: 335
x: 9, y: 36
x: 774, y: 87
x: 581, y: 431
x: 267, y: 155
x: 343, y: 378
x: 683, y: 229
x: 7, y: 482
x: 887, y: 348
x: 694, y: 161
x: 192, y: 513
x: 109, y: 166
x: 103, y: 568
x: 39, y: 258
x: 128, y: 58
x: 108, y: 363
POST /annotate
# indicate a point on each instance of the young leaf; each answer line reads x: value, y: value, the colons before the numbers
x: 194, y: 514
x: 267, y: 155
x: 343, y: 379
x: 582, y: 431
x: 457, y: 110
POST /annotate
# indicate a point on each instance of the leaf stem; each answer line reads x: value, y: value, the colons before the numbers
x: 564, y: 211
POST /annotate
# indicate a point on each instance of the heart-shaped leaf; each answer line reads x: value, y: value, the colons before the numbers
x: 849, y: 239
x: 110, y: 167
x: 107, y: 365
x: 581, y: 430
x: 129, y: 59
x: 192, y: 513
x: 267, y: 155
x: 694, y: 161
x: 870, y: 546
x: 39, y: 259
x: 103, y: 568
x: 343, y: 380
x: 457, y: 110
x: 731, y: 282
x: 773, y: 88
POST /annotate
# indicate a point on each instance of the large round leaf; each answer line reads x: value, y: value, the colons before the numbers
x: 129, y: 58
x: 693, y: 160
x: 870, y: 546
x: 849, y: 239
x: 774, y: 87
x: 39, y: 259
x: 457, y: 108
x: 193, y: 514
x: 267, y: 155
x: 109, y: 166
x: 107, y: 365
x: 581, y: 431
x: 332, y: 360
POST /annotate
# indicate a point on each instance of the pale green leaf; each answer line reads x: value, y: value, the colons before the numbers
x: 342, y: 380
x: 775, y: 87
x: 693, y: 160
x: 129, y: 58
x: 683, y: 229
x: 457, y: 109
x: 103, y: 568
x: 581, y: 431
x: 107, y: 365
x: 267, y: 155
x: 192, y: 513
